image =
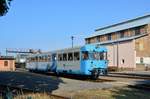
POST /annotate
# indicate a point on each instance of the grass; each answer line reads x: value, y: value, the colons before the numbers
x: 114, y: 93
x: 35, y: 96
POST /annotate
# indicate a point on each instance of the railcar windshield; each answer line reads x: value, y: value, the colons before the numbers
x: 94, y: 55
x: 85, y: 55
x: 103, y: 55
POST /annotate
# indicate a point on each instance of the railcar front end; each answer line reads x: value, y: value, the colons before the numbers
x: 94, y: 61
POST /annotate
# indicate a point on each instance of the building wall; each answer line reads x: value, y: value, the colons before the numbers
x: 122, y: 55
x: 127, y: 54
x: 9, y: 66
x: 142, y: 47
x: 112, y: 55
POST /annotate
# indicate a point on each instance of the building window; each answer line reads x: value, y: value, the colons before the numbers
x: 114, y: 36
x: 122, y: 34
x: 109, y: 37
x: 93, y: 40
x: 137, y: 31
x: 141, y: 60
x: 137, y: 46
x: 143, y: 29
x: 102, y: 38
x: 5, y: 63
x: 122, y: 61
x: 131, y: 32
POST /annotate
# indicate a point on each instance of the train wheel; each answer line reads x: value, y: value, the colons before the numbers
x: 57, y: 73
x: 95, y: 74
x: 30, y: 70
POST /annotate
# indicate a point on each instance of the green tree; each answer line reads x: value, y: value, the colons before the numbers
x: 4, y: 6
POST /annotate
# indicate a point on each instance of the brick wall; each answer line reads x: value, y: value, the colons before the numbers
x: 142, y: 45
x: 7, y: 65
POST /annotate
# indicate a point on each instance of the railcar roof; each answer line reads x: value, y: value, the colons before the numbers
x: 40, y: 54
x: 96, y: 48
x: 67, y: 49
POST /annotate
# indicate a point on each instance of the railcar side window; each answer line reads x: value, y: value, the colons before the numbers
x: 32, y: 59
x: 45, y: 58
x: 65, y: 57
x: 70, y: 56
x: 40, y: 59
x: 85, y: 55
x: 28, y: 59
x: 60, y: 57
x: 36, y: 59
x: 76, y: 56
x: 49, y: 58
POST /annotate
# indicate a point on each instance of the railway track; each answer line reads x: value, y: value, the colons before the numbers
x: 145, y: 87
x: 104, y: 78
x: 111, y: 77
x: 12, y: 91
x: 107, y: 78
x: 70, y: 76
x: 85, y: 78
x: 129, y: 76
x: 81, y: 77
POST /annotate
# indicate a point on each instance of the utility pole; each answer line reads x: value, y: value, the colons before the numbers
x: 117, y: 56
x: 72, y: 38
x: 6, y: 52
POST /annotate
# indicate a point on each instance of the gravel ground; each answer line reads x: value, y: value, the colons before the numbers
x: 71, y: 86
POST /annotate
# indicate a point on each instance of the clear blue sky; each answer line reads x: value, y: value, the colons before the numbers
x: 49, y: 24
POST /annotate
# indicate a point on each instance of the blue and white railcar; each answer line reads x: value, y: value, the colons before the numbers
x: 39, y: 62
x: 86, y: 60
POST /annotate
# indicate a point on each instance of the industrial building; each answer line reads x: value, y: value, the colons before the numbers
x: 7, y: 63
x: 128, y: 43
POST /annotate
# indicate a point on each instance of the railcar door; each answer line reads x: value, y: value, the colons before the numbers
x: 53, y: 67
x: 85, y: 62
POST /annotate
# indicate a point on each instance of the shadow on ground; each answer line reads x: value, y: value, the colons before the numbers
x: 140, y: 90
x: 28, y: 82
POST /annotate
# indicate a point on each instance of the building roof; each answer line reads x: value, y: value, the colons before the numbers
x: 121, y: 39
x: 139, y: 21
x: 7, y: 58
